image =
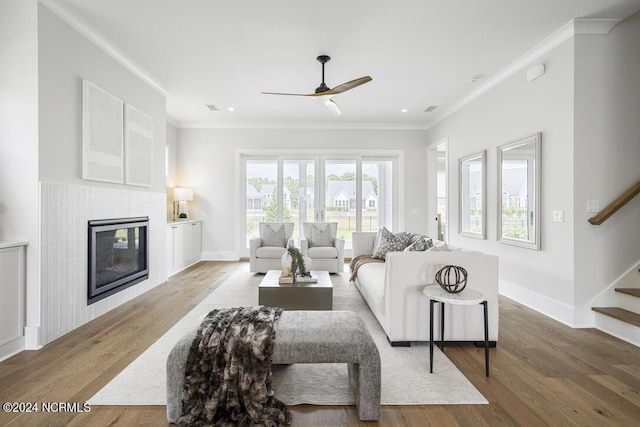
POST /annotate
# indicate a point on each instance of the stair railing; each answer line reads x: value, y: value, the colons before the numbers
x: 614, y: 206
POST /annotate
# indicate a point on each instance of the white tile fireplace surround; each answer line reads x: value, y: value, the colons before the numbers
x: 66, y: 210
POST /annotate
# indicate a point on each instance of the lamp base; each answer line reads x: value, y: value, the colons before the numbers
x: 182, y: 213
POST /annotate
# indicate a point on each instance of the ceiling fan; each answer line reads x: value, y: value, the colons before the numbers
x: 323, y: 93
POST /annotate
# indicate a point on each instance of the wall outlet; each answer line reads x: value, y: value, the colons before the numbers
x: 558, y: 216
x: 593, y: 205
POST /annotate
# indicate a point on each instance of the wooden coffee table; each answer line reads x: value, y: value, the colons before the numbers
x: 296, y: 296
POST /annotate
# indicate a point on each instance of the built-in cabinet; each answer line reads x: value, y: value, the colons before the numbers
x: 12, y: 300
x: 184, y: 245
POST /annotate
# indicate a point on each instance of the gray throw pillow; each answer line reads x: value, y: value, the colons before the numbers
x: 274, y: 235
x: 420, y: 244
x: 321, y: 235
x: 389, y: 242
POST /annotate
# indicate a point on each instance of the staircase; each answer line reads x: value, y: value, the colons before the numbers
x: 623, y: 320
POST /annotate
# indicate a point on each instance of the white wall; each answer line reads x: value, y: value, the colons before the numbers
x: 607, y: 157
x: 19, y: 137
x: 587, y: 107
x: 64, y: 58
x: 207, y: 162
x: 172, y: 177
x: 514, y: 108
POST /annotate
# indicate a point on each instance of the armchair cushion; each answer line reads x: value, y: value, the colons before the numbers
x: 326, y: 252
x: 270, y: 252
x: 275, y: 233
x: 320, y: 234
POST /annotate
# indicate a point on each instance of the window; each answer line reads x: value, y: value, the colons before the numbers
x: 356, y: 192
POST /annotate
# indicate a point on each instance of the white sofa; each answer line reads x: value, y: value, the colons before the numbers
x: 393, y: 291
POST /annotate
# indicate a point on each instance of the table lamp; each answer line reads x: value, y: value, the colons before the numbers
x: 181, y: 196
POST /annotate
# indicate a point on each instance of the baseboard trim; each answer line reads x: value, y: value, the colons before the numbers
x: 492, y: 344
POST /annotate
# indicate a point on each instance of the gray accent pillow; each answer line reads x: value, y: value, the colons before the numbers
x: 322, y: 235
x: 273, y: 235
x: 389, y: 242
x: 419, y: 244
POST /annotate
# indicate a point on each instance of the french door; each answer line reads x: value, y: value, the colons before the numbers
x: 356, y: 191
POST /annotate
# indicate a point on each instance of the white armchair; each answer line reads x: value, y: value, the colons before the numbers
x: 265, y: 252
x: 323, y: 246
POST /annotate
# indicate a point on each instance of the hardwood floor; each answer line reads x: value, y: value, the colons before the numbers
x: 542, y: 372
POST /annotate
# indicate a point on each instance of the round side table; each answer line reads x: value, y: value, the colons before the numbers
x: 435, y: 293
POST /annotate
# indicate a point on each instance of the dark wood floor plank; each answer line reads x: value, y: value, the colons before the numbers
x: 542, y: 372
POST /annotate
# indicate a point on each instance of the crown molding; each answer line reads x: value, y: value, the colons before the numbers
x: 564, y: 33
x: 305, y: 125
x: 594, y: 26
x: 100, y: 40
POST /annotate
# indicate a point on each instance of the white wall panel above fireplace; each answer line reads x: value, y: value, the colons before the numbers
x: 66, y: 209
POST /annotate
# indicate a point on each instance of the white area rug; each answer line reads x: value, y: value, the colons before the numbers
x: 405, y: 370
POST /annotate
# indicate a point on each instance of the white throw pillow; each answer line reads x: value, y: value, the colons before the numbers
x: 440, y: 248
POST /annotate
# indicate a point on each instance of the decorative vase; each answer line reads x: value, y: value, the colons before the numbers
x: 286, y: 261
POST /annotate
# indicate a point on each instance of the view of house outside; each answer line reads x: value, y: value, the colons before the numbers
x: 298, y: 198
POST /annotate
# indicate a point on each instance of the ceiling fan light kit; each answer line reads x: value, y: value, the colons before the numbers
x: 323, y: 93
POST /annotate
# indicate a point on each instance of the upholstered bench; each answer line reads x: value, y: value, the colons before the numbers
x: 305, y: 337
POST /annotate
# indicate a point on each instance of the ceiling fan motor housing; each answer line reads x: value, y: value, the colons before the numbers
x: 323, y: 59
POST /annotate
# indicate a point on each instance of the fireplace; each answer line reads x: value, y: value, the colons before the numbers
x: 118, y: 255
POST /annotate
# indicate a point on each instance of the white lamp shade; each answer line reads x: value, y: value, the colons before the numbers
x: 182, y: 194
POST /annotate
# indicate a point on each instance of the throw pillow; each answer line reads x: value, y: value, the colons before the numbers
x: 273, y: 235
x: 321, y: 235
x: 440, y: 248
x: 389, y: 242
x: 420, y: 244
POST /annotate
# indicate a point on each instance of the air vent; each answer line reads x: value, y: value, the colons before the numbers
x: 212, y: 107
x: 430, y: 108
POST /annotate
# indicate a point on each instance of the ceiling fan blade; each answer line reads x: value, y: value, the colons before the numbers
x: 349, y: 85
x: 287, y: 94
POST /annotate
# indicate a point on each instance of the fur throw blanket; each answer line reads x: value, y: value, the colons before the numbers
x: 228, y: 375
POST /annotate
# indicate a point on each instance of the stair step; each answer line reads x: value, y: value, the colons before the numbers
x: 620, y: 314
x: 629, y: 291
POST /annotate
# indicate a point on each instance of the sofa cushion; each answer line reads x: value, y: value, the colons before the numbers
x: 419, y: 243
x: 389, y: 242
x: 371, y: 278
x: 273, y: 235
x: 269, y: 252
x: 323, y: 252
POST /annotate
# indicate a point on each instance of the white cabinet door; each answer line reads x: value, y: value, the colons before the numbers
x: 184, y: 245
x: 192, y: 242
x: 12, y: 302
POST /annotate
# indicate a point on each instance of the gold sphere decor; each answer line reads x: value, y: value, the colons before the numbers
x: 452, y: 278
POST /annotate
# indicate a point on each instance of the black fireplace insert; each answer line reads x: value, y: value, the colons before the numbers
x: 118, y: 255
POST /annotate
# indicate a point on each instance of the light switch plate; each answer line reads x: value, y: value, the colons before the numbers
x: 593, y: 205
x: 558, y: 216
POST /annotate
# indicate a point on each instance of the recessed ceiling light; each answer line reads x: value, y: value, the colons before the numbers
x: 404, y: 110
x: 231, y: 109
